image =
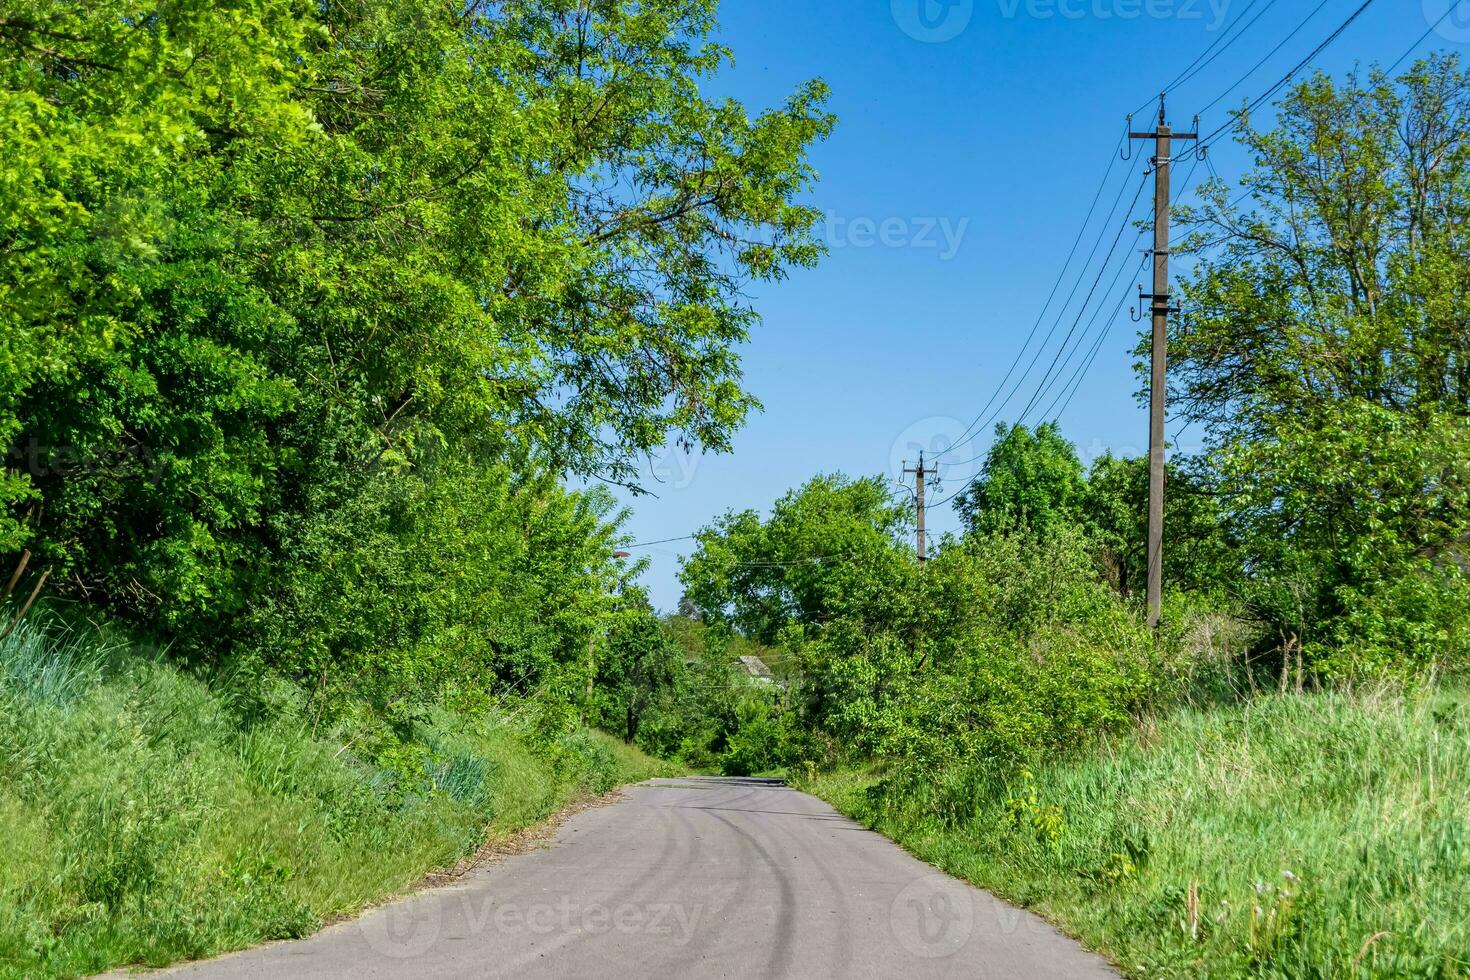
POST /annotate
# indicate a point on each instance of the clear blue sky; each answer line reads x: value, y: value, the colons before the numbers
x: 970, y: 144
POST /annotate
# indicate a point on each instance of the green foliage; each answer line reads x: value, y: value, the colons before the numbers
x: 1031, y: 481
x: 1201, y: 553
x: 509, y: 580
x: 714, y: 715
x: 1289, y: 836
x: 639, y: 668
x: 1033, y: 656
x: 830, y: 549
x: 1008, y: 646
x: 286, y: 278
x: 1326, y: 356
x: 147, y: 822
x: 760, y: 739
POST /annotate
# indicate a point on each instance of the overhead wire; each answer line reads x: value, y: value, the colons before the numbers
x: 650, y: 544
x: 1454, y: 4
x: 1075, y: 382
x: 977, y: 427
x: 1269, y: 55
x: 1070, y: 388
x: 1208, y: 141
x: 1223, y: 48
x: 1191, y: 69
x: 1113, y: 158
x: 1059, y: 363
x: 1085, y: 364
x: 1107, y: 261
x: 1059, y: 402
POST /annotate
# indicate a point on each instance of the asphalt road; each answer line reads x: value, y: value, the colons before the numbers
x: 689, y: 878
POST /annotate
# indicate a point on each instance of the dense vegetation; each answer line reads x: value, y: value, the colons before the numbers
x: 1321, y: 537
x: 314, y: 318
x: 1004, y: 711
x: 1317, y: 836
x: 310, y: 311
x: 145, y: 821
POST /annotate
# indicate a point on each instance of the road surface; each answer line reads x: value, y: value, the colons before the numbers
x: 688, y: 878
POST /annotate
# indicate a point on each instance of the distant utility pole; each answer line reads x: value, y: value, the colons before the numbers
x: 921, y: 478
x: 1163, y: 138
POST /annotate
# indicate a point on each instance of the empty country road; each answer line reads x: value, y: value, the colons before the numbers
x: 696, y: 877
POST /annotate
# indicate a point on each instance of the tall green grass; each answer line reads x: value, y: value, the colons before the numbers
x: 145, y: 822
x: 1325, y: 835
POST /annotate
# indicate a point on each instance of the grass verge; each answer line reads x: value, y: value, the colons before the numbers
x: 1324, y: 835
x: 145, y: 822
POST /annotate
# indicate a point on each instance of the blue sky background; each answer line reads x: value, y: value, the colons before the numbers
x: 969, y: 147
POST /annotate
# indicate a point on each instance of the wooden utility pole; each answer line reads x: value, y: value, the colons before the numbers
x: 921, y: 478
x: 1158, y: 300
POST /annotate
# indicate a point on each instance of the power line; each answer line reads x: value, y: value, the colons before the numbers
x: 1060, y: 364
x: 1056, y: 287
x: 1194, y: 67
x: 1273, y: 52
x: 1075, y: 382
x: 1081, y: 312
x: 650, y: 544
x: 1432, y: 28
x: 1091, y: 292
x: 1251, y: 107
x: 1238, y: 35
x: 976, y: 427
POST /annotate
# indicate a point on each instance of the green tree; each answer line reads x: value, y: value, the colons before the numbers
x: 1327, y: 355
x: 831, y: 580
x: 835, y: 548
x: 639, y: 668
x: 274, y: 270
x: 1031, y: 481
x: 1199, y: 553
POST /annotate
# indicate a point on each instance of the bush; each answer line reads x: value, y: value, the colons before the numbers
x: 1287, y: 836
x: 1415, y: 624
x: 761, y: 741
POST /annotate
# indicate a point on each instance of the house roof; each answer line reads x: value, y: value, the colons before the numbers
x: 755, y: 667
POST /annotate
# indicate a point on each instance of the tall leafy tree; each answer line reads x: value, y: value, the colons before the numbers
x: 1327, y: 355
x: 1200, y: 553
x: 641, y: 666
x: 1031, y: 481
x: 831, y: 549
x: 265, y: 259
